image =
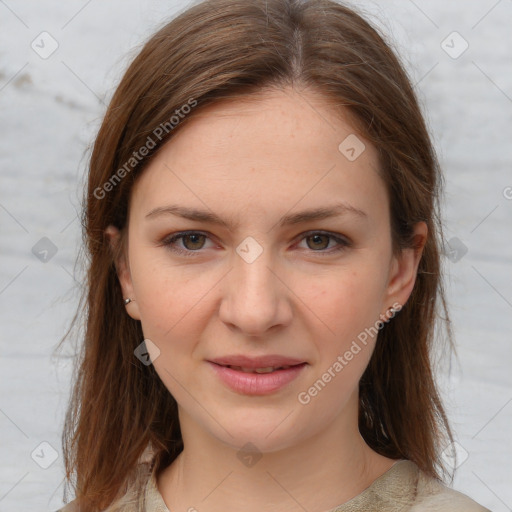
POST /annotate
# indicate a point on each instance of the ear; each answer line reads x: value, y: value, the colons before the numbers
x: 404, y: 268
x: 123, y: 270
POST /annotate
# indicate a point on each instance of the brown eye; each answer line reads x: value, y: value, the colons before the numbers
x: 318, y: 241
x: 324, y: 243
x: 186, y: 243
x: 194, y: 241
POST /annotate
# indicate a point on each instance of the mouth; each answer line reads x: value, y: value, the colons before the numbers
x: 250, y: 363
x: 257, y: 380
x: 268, y: 369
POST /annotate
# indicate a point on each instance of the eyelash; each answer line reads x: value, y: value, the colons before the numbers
x: 168, y: 241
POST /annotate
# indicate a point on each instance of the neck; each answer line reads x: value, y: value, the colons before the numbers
x: 316, y: 474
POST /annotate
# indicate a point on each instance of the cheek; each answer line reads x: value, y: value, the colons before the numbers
x: 346, y: 302
x: 166, y: 294
x: 171, y: 304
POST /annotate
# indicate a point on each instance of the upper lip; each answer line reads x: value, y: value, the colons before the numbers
x: 273, y: 361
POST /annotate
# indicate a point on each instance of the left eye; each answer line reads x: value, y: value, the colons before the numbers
x: 193, y: 241
x: 321, y: 241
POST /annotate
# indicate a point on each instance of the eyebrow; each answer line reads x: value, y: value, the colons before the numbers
x: 304, y: 216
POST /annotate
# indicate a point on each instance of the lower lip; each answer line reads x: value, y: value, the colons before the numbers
x: 256, y: 383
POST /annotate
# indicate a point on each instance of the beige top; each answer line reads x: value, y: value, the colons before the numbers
x: 402, y: 488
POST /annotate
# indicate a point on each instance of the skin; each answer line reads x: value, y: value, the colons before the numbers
x: 252, y: 162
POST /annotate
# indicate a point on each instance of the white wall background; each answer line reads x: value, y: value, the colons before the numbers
x: 49, y: 111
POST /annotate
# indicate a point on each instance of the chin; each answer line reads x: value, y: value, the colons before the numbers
x: 268, y: 429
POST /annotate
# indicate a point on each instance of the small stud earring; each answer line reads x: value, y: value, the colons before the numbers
x: 393, y: 311
x: 127, y: 301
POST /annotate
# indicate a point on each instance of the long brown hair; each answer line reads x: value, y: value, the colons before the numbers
x: 222, y: 49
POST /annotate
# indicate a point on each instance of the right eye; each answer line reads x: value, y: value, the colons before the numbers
x: 191, y: 242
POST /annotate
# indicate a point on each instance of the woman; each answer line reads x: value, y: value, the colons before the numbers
x: 264, y: 275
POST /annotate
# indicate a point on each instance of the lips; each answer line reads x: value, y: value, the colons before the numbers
x: 257, y: 375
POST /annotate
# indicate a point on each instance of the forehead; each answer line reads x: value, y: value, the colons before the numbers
x: 280, y: 119
x: 272, y: 150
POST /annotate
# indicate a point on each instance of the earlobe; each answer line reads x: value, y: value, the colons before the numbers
x: 123, y: 271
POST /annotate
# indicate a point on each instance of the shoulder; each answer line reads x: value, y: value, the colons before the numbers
x: 433, y: 496
x: 132, y: 499
x: 69, y: 507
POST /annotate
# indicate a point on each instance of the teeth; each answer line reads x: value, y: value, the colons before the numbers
x: 268, y: 369
x: 265, y: 370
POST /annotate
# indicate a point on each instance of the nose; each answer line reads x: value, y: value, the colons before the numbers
x: 255, y: 297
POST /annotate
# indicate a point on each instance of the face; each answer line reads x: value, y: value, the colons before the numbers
x: 253, y: 234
